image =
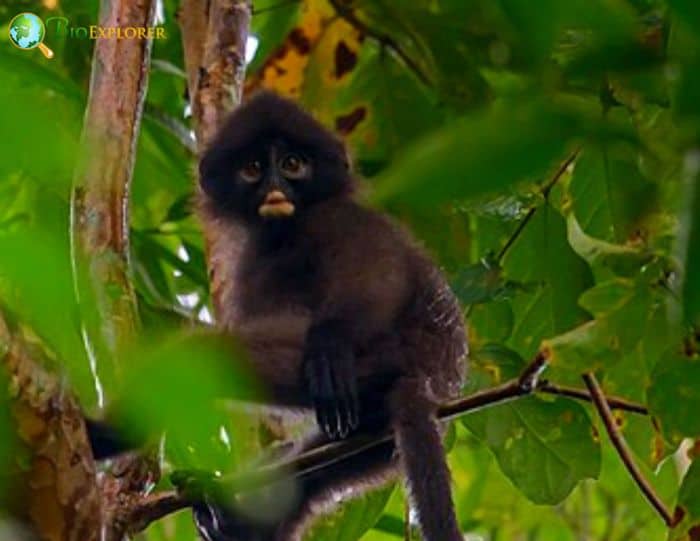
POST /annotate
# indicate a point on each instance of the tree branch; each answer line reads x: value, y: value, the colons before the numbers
x: 59, y: 491
x: 614, y: 402
x: 100, y: 232
x: 214, y: 36
x: 623, y: 450
x: 152, y: 508
x: 101, y: 184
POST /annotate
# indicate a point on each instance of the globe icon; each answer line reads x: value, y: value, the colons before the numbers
x: 27, y: 31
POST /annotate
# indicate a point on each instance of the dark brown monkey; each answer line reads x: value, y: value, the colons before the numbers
x: 340, y: 310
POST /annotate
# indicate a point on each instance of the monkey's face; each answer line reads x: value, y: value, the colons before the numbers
x: 275, y: 177
x: 273, y: 181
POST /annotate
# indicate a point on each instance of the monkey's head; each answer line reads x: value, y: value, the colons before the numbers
x: 270, y: 161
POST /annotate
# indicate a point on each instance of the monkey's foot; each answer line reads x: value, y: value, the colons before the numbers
x: 215, y: 523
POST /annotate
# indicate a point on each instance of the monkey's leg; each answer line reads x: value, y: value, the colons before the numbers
x: 423, y: 458
x: 317, y: 493
x: 348, y: 479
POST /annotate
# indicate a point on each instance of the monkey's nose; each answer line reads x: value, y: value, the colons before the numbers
x: 276, y: 205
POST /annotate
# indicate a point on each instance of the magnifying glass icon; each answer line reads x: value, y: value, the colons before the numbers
x: 27, y: 31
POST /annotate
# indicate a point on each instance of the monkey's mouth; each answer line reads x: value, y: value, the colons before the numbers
x: 276, y: 205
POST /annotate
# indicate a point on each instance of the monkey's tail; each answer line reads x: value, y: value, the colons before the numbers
x: 423, y: 459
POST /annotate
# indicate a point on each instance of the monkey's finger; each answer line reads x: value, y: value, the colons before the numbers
x: 345, y: 411
x: 354, y: 406
x: 343, y: 428
x: 322, y: 406
x: 315, y: 376
x: 342, y: 380
x: 348, y: 381
x: 328, y: 420
x: 342, y: 414
x: 353, y: 400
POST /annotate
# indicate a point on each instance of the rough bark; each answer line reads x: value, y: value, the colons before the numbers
x: 58, y: 493
x: 214, y: 35
x: 100, y: 206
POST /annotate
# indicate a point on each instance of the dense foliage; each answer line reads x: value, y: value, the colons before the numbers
x: 547, y: 153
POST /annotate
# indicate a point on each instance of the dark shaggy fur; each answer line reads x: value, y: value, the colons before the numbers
x: 341, y: 312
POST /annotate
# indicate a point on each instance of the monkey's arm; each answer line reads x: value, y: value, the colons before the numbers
x: 329, y: 369
x: 362, y: 287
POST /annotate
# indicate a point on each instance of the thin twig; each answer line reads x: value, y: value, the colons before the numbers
x: 545, y: 193
x: 346, y: 12
x: 614, y: 402
x: 623, y: 450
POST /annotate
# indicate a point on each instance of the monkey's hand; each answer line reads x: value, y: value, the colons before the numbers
x: 329, y: 368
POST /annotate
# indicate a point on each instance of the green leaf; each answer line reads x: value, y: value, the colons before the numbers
x: 626, y: 311
x: 174, y: 384
x: 27, y: 258
x: 503, y: 363
x: 41, y: 114
x: 609, y: 194
x: 382, y: 108
x: 587, y: 347
x: 623, y: 307
x: 545, y: 448
x: 689, y: 11
x: 478, y: 283
x: 674, y: 397
x: 491, y: 322
x: 620, y: 259
x: 542, y: 255
x: 479, y: 153
x: 440, y: 41
x: 175, y: 527
x: 352, y: 519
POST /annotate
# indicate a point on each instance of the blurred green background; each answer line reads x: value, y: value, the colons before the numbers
x: 458, y: 114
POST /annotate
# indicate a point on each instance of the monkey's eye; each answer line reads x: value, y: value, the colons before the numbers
x: 251, y: 172
x: 294, y: 166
